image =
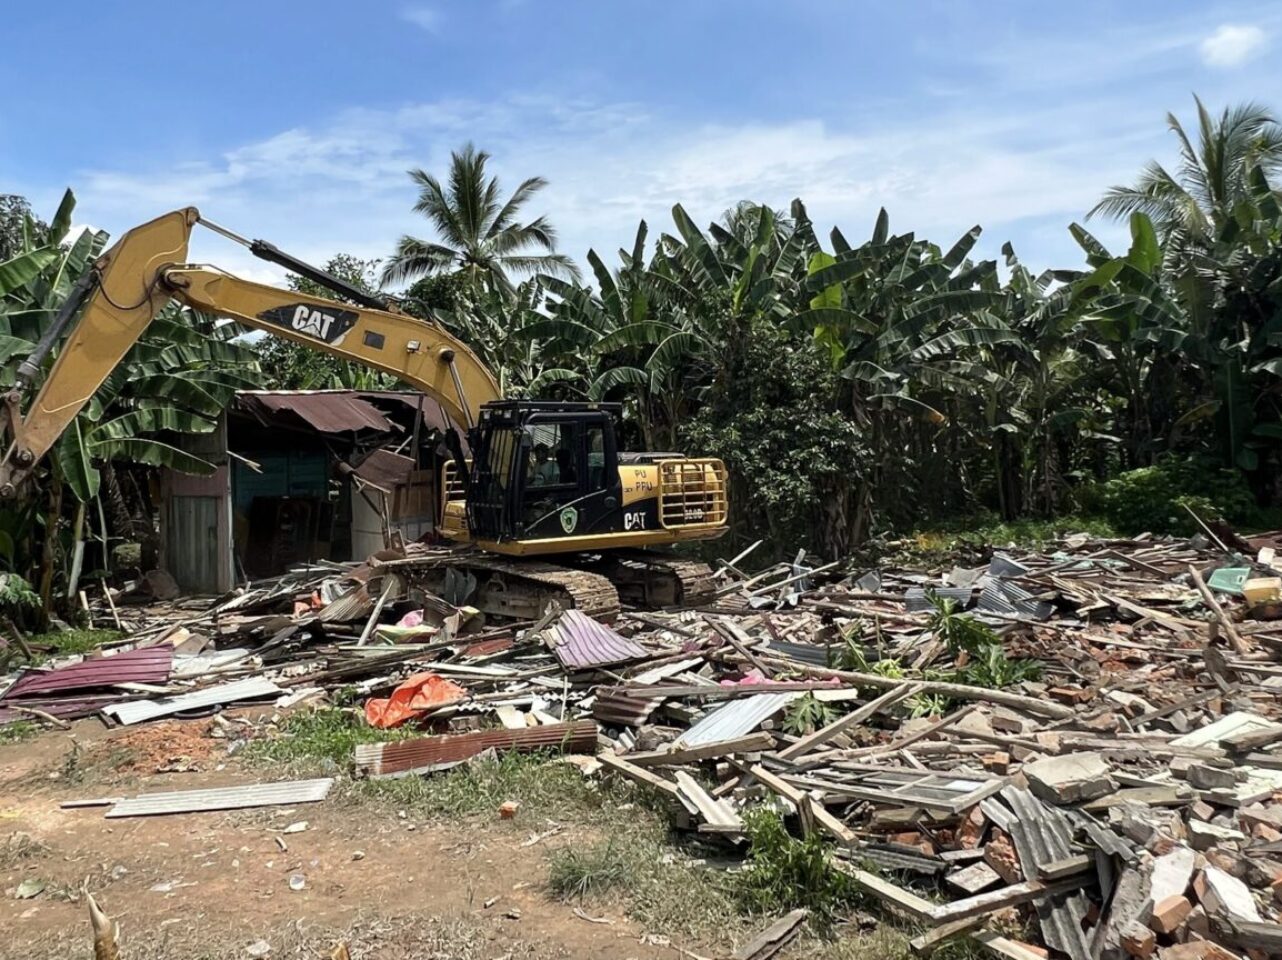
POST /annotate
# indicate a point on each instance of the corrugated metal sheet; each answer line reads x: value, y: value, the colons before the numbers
x: 615, y: 707
x: 1003, y: 566
x: 1044, y: 835
x: 736, y: 718
x: 336, y: 411
x: 136, y: 711
x: 224, y: 798
x: 1001, y: 596
x: 583, y: 642
x: 434, y: 415
x: 812, y: 653
x: 64, y: 709
x: 917, y: 599
x: 144, y: 665
x: 409, y: 756
x: 384, y: 469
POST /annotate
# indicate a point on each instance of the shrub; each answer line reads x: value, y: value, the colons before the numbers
x: 1153, y: 498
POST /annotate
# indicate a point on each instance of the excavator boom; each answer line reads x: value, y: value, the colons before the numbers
x: 543, y: 478
x: 131, y: 282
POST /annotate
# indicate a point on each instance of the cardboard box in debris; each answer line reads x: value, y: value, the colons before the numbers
x: 1089, y: 736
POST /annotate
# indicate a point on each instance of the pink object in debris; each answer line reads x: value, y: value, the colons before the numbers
x: 412, y: 619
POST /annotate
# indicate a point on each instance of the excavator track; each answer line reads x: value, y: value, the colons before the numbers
x: 655, y: 579
x: 521, y: 589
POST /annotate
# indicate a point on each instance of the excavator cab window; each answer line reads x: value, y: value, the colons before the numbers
x: 542, y: 470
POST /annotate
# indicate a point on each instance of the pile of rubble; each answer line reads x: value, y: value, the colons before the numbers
x: 1088, y: 738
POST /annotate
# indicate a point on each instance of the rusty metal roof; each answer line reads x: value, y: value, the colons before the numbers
x: 615, y: 706
x: 583, y: 642
x: 144, y: 665
x: 434, y: 415
x: 408, y: 756
x: 328, y: 411
x: 384, y: 469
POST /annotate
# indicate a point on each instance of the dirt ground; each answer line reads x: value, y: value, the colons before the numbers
x: 215, y: 885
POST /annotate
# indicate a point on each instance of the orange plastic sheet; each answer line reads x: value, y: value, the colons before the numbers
x: 418, y: 695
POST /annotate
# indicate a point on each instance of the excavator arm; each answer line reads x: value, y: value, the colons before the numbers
x: 133, y: 280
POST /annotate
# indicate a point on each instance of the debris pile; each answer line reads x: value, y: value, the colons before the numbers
x: 1088, y: 738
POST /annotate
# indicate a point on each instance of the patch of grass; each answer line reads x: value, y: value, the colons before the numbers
x: 783, y: 872
x: 18, y: 731
x: 63, y: 643
x: 942, y: 542
x: 537, y: 781
x: 661, y: 888
x: 578, y: 872
x: 324, y: 737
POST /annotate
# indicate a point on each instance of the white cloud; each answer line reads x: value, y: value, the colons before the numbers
x: 422, y: 16
x: 343, y: 187
x: 1232, y: 45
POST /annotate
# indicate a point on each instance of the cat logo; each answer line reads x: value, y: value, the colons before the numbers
x: 569, y: 519
x: 320, y: 323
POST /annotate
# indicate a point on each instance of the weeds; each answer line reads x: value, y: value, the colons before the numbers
x: 320, y: 737
x: 993, y: 669
x: 18, y: 731
x: 20, y: 847
x: 806, y: 714
x: 578, y: 872
x: 63, y: 643
x: 783, y: 873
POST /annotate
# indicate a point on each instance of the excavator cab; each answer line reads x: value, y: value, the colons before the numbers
x: 543, y: 471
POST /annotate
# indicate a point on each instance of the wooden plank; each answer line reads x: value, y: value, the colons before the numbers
x: 884, y: 890
x: 752, y: 743
x: 985, y: 903
x: 1004, y: 947
x: 1068, y: 867
x: 806, y: 805
x: 840, y: 725
x: 772, y: 939
x: 933, y: 939
x: 619, y: 765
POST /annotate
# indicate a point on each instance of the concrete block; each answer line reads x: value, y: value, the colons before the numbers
x: 1069, y: 779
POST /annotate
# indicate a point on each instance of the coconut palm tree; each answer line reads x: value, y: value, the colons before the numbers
x: 1190, y: 204
x: 477, y: 234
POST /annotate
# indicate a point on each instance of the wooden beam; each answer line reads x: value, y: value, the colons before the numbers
x: 985, y: 903
x: 904, y: 900
x: 619, y: 765
x: 933, y: 939
x: 961, y: 691
x: 752, y: 743
x: 806, y: 805
x: 840, y: 725
x: 1235, y: 639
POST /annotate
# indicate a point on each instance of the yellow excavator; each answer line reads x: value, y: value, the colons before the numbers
x: 543, y: 478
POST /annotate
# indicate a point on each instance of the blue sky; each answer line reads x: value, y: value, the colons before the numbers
x: 295, y: 121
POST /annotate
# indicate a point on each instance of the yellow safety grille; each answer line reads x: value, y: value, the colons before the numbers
x: 452, y: 483
x: 692, y: 493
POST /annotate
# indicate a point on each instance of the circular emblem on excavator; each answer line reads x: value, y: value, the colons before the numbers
x: 569, y: 519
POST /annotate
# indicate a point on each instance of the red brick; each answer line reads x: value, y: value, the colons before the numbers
x: 1138, y: 942
x: 999, y: 853
x: 1170, y: 913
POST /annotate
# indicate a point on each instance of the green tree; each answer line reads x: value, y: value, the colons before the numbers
x: 176, y: 379
x: 1193, y: 203
x: 476, y: 232
x: 16, y: 223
